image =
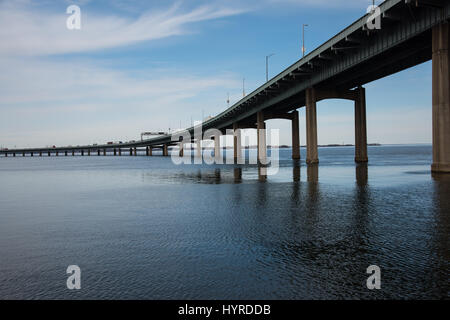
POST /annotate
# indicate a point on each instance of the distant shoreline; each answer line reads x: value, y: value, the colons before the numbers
x: 303, y: 146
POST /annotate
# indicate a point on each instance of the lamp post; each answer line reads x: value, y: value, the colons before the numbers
x: 303, y: 40
x: 267, y: 66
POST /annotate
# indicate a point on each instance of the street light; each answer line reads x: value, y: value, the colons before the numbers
x: 303, y: 39
x: 267, y: 66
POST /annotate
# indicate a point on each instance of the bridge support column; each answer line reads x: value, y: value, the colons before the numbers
x: 134, y: 151
x: 40, y: 153
x: 237, y: 145
x: 115, y: 151
x: 360, y: 126
x: 441, y: 99
x: 311, y: 127
x: 217, y: 148
x: 165, y: 150
x: 147, y: 152
x: 131, y: 151
x: 6, y: 155
x: 199, y: 148
x: 150, y: 151
x: 261, y: 137
x: 89, y: 152
x: 23, y: 154
x: 120, y: 151
x: 295, y: 136
x: 14, y: 154
x: 57, y: 153
x: 65, y: 153
x: 181, y: 152
x: 31, y: 154
x: 82, y: 153
x: 48, y: 153
x: 104, y: 152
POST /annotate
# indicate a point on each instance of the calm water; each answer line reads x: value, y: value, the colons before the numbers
x: 143, y: 228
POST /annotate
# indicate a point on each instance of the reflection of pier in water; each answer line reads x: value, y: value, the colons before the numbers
x: 235, y: 174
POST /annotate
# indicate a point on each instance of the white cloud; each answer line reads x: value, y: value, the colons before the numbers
x: 25, y: 30
x: 41, y: 96
x: 326, y: 3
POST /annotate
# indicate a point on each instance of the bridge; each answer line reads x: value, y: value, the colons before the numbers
x: 412, y: 32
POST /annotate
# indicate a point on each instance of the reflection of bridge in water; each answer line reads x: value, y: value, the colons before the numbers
x: 411, y: 32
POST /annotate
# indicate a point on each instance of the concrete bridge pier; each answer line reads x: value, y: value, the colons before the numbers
x: 217, y: 148
x: 131, y: 151
x: 23, y: 154
x: 31, y: 154
x: 89, y: 152
x: 150, y: 151
x: 311, y: 127
x: 237, y: 144
x: 261, y: 138
x: 120, y: 151
x: 115, y: 151
x: 14, y: 155
x: 6, y: 155
x: 40, y: 153
x: 73, y: 153
x: 198, y: 148
x: 360, y: 126
x: 135, y: 152
x: 181, y: 151
x: 48, y: 153
x: 82, y: 153
x: 147, y: 152
x: 295, y: 136
x: 104, y: 152
x: 57, y: 153
x: 441, y: 98
x: 165, y: 150
x: 98, y: 152
x: 65, y: 153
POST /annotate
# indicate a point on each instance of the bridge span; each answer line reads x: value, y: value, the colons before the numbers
x: 412, y: 32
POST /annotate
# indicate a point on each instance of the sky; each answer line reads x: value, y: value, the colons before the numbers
x: 145, y: 65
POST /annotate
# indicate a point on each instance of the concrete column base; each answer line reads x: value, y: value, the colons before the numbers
x: 198, y: 148
x: 441, y: 98
x: 440, y: 167
x: 295, y: 136
x: 237, y: 144
x: 311, y: 127
x: 360, y: 126
x: 261, y: 138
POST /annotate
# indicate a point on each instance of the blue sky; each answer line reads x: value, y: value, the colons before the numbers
x: 149, y: 65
